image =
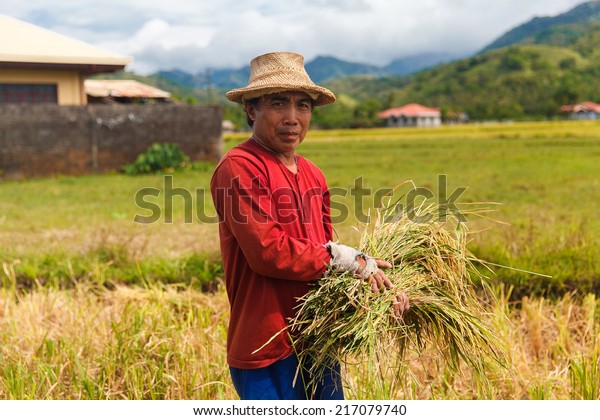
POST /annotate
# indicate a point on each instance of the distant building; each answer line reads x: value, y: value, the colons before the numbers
x: 41, y: 66
x: 582, y: 111
x: 123, y: 92
x: 227, y: 127
x: 412, y: 115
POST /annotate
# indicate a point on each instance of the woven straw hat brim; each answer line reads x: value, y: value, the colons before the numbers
x: 280, y: 72
x: 320, y: 95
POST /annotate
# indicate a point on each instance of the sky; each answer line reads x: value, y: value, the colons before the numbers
x: 195, y: 35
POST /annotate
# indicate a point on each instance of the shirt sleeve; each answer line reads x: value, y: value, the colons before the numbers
x: 244, y: 203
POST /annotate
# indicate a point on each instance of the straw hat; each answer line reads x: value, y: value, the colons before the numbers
x: 279, y: 72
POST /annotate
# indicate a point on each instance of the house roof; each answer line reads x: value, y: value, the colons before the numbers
x: 410, y: 110
x: 581, y: 107
x: 122, y: 89
x: 32, y: 46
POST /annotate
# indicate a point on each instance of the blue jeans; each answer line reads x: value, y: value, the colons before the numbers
x: 275, y: 382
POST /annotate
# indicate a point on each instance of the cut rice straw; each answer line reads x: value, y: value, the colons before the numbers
x: 341, y: 319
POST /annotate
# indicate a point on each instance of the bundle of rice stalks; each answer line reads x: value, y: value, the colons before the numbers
x: 341, y: 319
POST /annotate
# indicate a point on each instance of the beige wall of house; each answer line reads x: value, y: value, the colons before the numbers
x: 70, y: 90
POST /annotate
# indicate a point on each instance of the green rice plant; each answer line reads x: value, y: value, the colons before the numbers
x: 16, y: 381
x: 539, y: 391
x: 584, y: 369
x: 584, y: 374
x: 341, y: 319
x: 8, y: 276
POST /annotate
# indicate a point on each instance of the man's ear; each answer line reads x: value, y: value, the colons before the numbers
x: 250, y: 109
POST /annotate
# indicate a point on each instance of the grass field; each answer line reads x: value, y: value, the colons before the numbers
x: 94, y: 305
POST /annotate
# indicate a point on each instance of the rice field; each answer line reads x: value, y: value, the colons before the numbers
x: 161, y: 342
x: 96, y: 306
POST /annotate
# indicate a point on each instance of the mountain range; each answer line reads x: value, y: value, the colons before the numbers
x: 561, y: 30
x: 320, y: 69
x: 528, y: 72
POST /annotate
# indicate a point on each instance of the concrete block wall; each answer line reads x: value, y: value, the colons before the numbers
x: 40, y: 140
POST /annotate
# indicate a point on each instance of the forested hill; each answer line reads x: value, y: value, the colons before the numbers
x: 525, y: 81
x: 561, y: 30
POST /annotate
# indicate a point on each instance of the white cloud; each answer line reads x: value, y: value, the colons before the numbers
x: 195, y: 35
x: 157, y: 33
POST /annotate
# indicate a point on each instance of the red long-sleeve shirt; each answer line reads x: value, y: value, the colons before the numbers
x: 272, y: 226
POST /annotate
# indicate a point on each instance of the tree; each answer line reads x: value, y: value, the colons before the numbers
x: 235, y: 113
x: 569, y: 89
x: 568, y: 63
x: 336, y: 115
x: 365, y: 114
x: 514, y: 59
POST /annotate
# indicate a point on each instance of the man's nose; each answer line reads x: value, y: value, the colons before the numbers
x: 291, y: 115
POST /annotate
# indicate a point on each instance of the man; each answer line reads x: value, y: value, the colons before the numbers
x: 275, y: 231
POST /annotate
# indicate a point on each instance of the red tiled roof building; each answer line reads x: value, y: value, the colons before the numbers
x: 412, y: 115
x: 582, y: 111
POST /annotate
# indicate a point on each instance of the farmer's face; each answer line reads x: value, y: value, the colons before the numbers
x: 281, y: 120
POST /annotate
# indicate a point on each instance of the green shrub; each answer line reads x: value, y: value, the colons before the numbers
x: 158, y: 157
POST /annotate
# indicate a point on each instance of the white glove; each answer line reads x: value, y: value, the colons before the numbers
x: 344, y: 258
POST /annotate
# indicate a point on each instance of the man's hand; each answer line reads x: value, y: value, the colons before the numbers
x: 345, y: 258
x: 348, y: 259
x: 400, y: 305
x: 378, y: 280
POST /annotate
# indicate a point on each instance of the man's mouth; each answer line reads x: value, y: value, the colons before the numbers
x: 289, y: 134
